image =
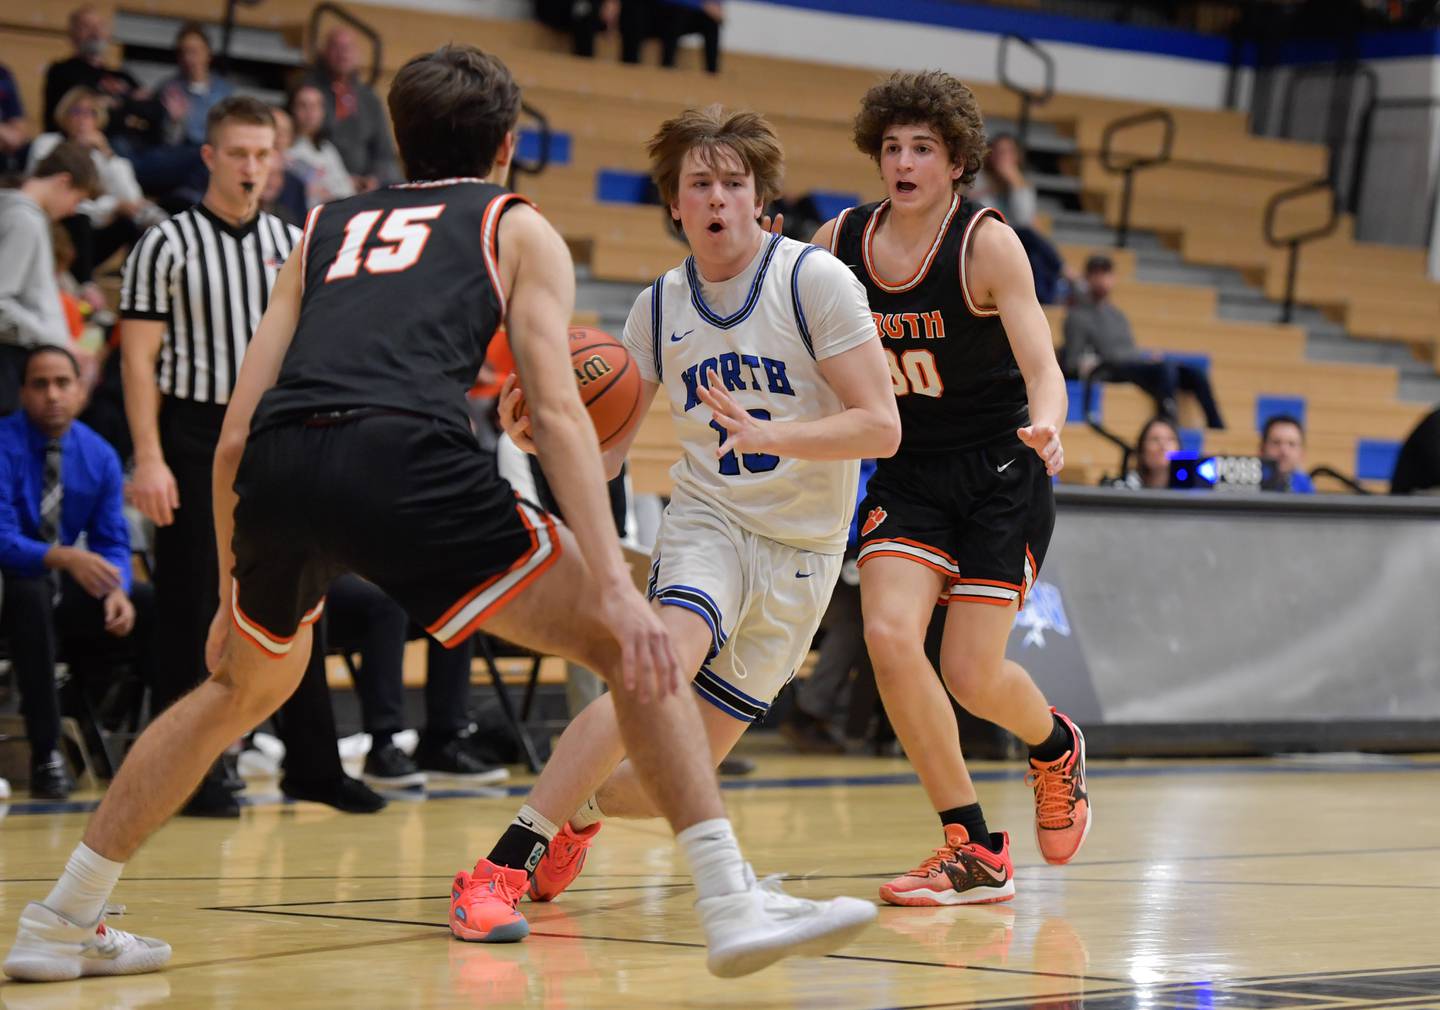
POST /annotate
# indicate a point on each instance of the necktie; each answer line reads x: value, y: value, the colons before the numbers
x: 51, y: 494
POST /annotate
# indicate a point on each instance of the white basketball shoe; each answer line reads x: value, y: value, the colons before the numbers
x: 754, y: 928
x: 51, y: 948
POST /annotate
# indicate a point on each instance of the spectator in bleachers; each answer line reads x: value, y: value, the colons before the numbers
x: 115, y: 218
x: 284, y: 192
x: 311, y: 155
x: 582, y: 20
x: 1002, y: 184
x: 639, y: 20
x: 679, y: 18
x: 1282, y: 441
x: 59, y: 482
x: 1417, y: 467
x: 354, y: 114
x: 1157, y: 441
x: 132, y: 113
x: 30, y: 309
x: 189, y: 96
x: 1098, y: 333
x: 14, y: 127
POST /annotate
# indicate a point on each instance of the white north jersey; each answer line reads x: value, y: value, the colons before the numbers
x: 764, y: 333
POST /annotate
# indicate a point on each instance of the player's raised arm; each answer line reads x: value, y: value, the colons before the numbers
x: 847, y: 348
x: 541, y: 283
x: 1001, y: 271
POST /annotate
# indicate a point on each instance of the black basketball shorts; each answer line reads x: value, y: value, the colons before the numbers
x: 982, y: 518
x: 408, y: 502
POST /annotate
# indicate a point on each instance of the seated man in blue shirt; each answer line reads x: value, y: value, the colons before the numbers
x: 59, y: 482
x: 1282, y: 441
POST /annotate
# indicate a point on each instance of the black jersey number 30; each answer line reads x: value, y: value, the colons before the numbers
x: 400, y: 241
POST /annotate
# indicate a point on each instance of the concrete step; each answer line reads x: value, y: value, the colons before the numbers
x: 1042, y: 138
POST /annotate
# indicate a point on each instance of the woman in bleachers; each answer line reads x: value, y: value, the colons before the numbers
x: 1158, y: 439
x: 189, y: 96
x: 312, y: 156
x: 115, y: 219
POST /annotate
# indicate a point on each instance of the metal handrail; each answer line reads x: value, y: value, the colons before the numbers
x: 363, y: 27
x: 1129, y: 167
x: 1026, y: 96
x: 1346, y: 479
x: 1101, y: 373
x: 1272, y: 208
x: 222, y: 60
x: 521, y: 167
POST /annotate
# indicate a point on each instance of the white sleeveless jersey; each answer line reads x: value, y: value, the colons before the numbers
x: 766, y: 353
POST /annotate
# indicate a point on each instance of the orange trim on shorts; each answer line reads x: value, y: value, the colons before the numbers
x: 910, y: 543
x: 990, y: 600
x: 1034, y: 576
x: 988, y: 582
x: 490, y: 611
x: 275, y: 641
x: 906, y: 557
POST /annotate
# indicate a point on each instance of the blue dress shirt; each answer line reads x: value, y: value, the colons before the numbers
x: 92, y: 503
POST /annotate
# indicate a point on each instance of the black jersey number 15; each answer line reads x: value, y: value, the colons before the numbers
x: 400, y: 240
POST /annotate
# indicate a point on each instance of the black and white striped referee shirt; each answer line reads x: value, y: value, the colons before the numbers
x: 209, y: 282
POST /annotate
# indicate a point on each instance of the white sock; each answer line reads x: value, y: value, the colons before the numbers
x: 589, y: 814
x: 82, y: 890
x: 714, y: 857
x: 533, y: 820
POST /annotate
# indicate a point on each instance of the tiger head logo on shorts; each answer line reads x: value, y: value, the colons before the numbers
x: 874, y: 519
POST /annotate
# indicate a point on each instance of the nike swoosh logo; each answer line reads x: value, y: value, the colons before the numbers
x: 999, y: 876
x: 675, y: 340
x: 803, y: 575
x: 1002, y: 469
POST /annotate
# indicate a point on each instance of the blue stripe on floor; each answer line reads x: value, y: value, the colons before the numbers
x: 18, y: 808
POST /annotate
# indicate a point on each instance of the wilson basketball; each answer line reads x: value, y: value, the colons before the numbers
x: 609, y: 383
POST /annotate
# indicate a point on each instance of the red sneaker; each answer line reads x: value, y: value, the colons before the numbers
x: 562, y: 862
x: 1062, y: 804
x: 961, y: 872
x: 482, y: 905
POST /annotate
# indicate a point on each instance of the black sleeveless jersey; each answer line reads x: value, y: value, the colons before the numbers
x: 401, y: 297
x: 956, y: 380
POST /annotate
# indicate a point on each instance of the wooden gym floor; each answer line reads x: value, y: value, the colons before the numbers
x: 1309, y: 883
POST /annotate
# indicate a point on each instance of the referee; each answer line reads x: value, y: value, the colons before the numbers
x: 194, y: 290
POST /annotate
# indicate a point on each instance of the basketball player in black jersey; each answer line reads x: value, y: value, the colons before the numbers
x: 962, y: 514
x: 346, y: 447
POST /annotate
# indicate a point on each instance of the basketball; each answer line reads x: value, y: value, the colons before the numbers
x: 609, y: 383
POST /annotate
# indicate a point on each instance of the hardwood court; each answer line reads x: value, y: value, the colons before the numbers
x: 1307, y: 883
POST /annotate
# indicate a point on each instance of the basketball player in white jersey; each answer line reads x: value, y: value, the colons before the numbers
x: 777, y: 384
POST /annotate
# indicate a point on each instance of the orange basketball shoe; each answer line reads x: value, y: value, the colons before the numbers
x: 1062, y: 804
x: 562, y: 862
x: 482, y: 904
x: 961, y: 872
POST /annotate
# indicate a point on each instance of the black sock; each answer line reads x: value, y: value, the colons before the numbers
x: 1054, y: 746
x: 519, y: 848
x: 972, y: 819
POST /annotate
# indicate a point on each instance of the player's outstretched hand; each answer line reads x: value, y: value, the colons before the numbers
x: 775, y: 226
x: 648, y: 664
x: 743, y: 432
x: 515, y: 425
x: 1045, y: 440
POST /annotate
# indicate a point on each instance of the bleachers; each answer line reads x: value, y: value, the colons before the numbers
x: 1207, y: 203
